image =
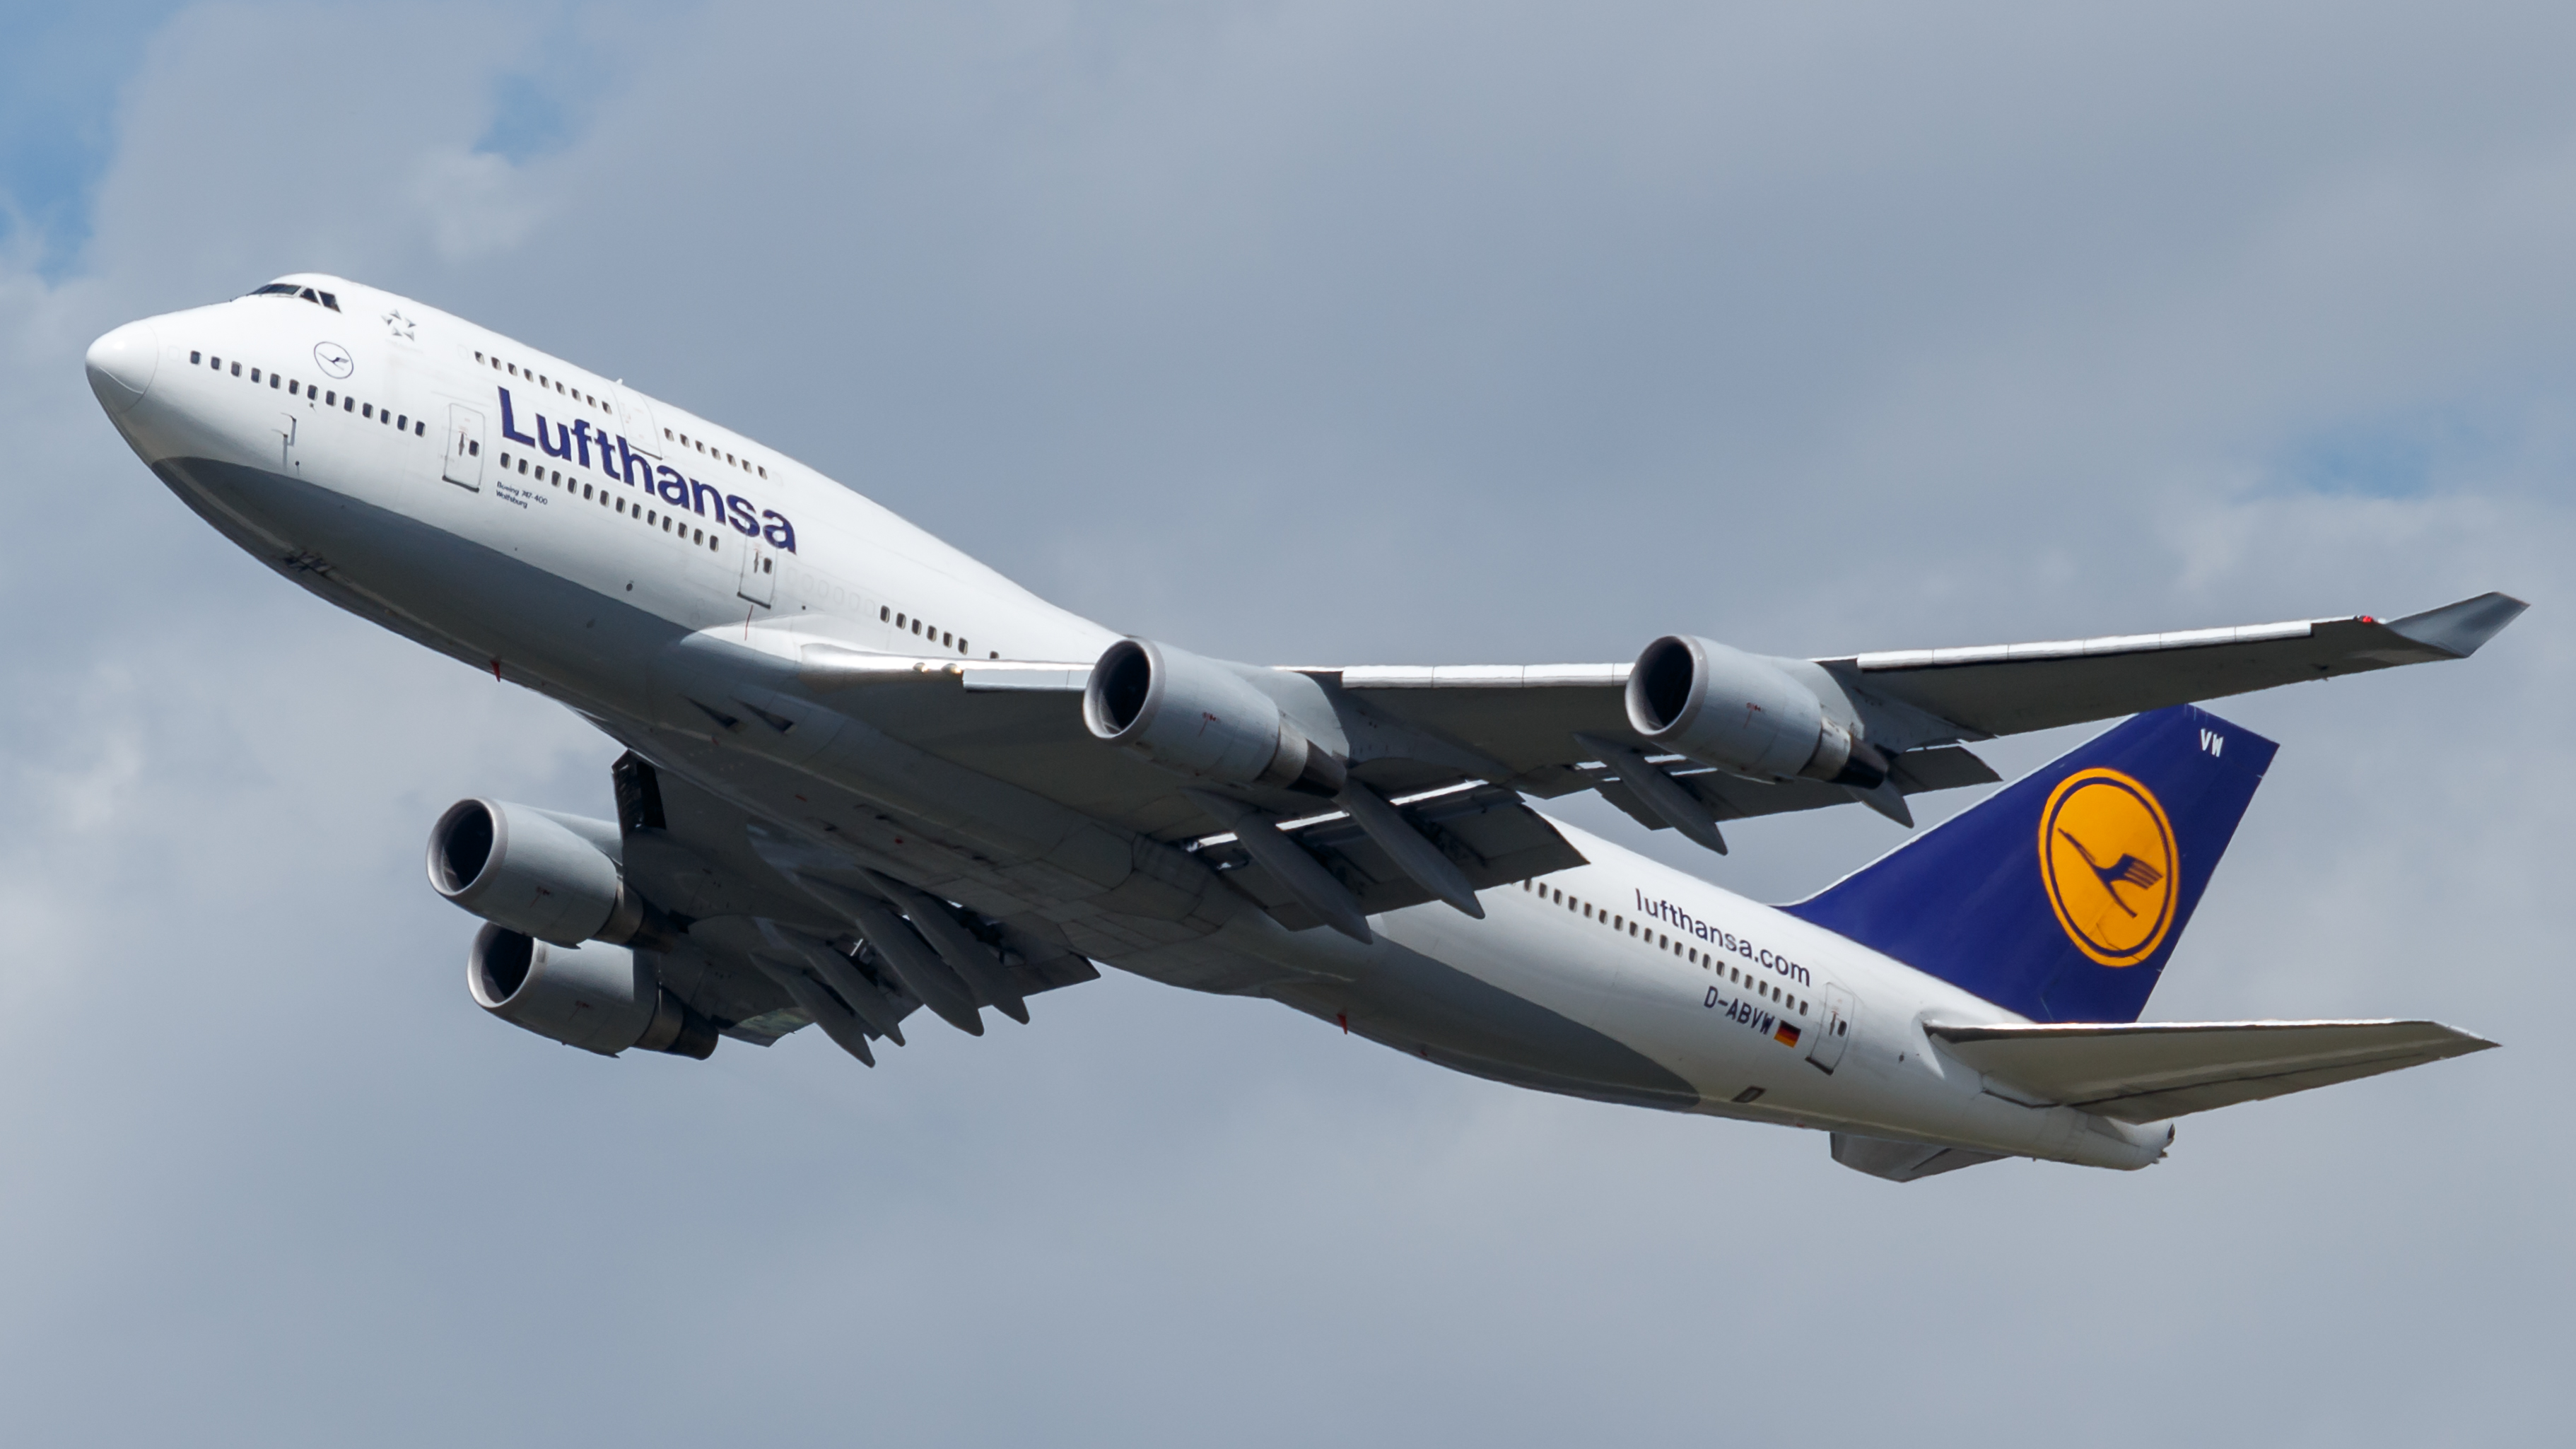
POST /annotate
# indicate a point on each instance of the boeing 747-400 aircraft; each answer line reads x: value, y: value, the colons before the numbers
x: 865, y: 774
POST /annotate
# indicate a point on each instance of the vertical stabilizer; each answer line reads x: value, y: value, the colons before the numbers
x: 2062, y: 896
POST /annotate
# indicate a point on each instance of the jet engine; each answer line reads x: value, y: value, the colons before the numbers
x: 529, y: 871
x: 1743, y: 714
x: 600, y: 998
x: 1200, y: 717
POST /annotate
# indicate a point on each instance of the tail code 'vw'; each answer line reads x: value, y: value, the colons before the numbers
x: 2061, y: 897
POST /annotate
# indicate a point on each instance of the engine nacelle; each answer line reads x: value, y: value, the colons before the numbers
x: 1745, y: 715
x: 524, y: 869
x: 1198, y: 717
x: 598, y: 997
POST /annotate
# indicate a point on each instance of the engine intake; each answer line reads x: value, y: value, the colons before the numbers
x: 527, y: 870
x: 1743, y: 714
x: 1199, y: 717
x: 598, y: 997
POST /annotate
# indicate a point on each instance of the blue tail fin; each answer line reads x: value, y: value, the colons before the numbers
x: 2061, y: 897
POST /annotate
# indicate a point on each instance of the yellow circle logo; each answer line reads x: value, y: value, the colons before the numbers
x: 2106, y: 857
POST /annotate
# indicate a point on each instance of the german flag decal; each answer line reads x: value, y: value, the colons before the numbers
x: 1787, y: 1035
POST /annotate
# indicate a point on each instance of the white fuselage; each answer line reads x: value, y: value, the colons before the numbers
x: 1621, y: 979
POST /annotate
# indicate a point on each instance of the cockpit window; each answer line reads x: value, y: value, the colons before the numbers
x: 290, y: 289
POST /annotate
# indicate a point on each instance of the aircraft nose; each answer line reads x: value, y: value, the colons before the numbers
x: 121, y: 365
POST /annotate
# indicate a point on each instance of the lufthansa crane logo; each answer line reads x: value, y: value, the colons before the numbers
x: 2106, y: 857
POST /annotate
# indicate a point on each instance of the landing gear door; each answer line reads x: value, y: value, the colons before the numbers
x: 759, y: 573
x: 464, y: 447
x: 1835, y: 1034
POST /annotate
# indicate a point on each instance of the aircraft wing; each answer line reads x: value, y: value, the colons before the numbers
x: 750, y: 940
x: 1456, y: 746
x: 1542, y: 724
x: 2003, y: 689
x: 1524, y: 714
x: 2147, y: 1071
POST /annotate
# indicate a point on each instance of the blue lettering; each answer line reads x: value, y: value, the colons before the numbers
x: 638, y: 470
x: 507, y: 430
x: 628, y: 460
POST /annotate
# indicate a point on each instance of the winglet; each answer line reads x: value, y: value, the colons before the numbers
x: 2459, y: 629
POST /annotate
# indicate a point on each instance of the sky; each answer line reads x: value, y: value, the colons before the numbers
x: 1319, y: 333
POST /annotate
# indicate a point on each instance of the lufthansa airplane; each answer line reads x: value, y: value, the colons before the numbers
x: 865, y: 774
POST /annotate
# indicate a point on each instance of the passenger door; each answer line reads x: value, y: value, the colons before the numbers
x: 1835, y: 1034
x: 636, y: 417
x: 286, y: 443
x: 759, y: 573
x: 464, y: 447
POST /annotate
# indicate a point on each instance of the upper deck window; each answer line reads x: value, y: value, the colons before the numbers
x: 290, y: 289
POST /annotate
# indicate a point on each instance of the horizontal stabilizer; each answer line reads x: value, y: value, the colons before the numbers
x: 2145, y: 1071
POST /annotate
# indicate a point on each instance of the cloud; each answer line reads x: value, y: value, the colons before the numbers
x: 1324, y: 332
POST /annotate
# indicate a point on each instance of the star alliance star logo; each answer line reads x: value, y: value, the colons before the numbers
x: 398, y: 324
